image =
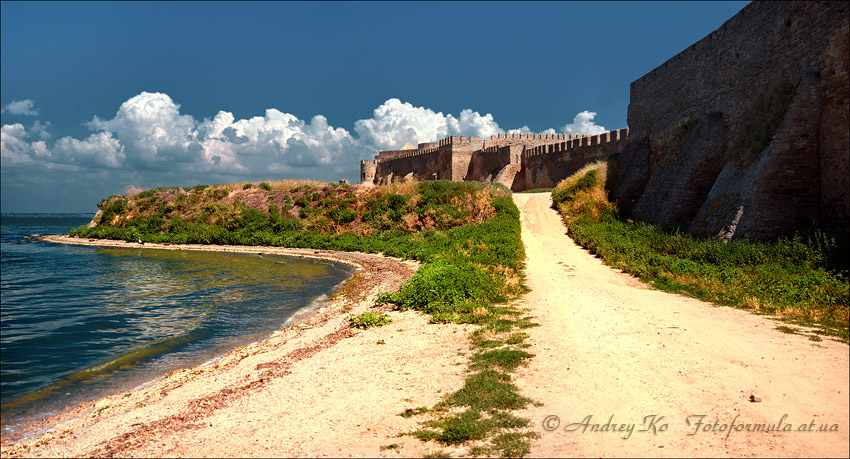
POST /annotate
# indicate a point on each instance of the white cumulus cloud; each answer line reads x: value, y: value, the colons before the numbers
x: 149, y: 141
x: 472, y: 123
x: 395, y: 122
x: 99, y: 150
x: 41, y: 130
x: 20, y: 107
x: 152, y: 130
x: 583, y: 124
x: 15, y: 149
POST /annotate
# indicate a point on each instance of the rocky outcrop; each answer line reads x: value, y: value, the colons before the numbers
x: 96, y: 220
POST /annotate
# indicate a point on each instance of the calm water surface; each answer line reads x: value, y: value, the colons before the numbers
x: 82, y: 322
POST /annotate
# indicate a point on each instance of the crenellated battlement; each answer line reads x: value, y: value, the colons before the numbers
x: 409, y: 153
x: 470, y: 158
x: 394, y: 154
x: 460, y: 140
x: 532, y: 136
x: 619, y: 135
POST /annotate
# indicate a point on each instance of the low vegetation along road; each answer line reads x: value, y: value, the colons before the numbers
x: 667, y: 375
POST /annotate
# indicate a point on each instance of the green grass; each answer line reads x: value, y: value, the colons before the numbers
x: 802, y: 280
x: 410, y: 412
x: 504, y: 359
x: 368, y: 319
x: 467, y: 426
x: 479, y: 413
x: 487, y: 390
x: 511, y: 444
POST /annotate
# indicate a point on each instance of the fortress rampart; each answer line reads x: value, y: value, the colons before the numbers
x: 578, y: 142
x: 519, y: 161
x: 545, y: 165
x: 696, y: 160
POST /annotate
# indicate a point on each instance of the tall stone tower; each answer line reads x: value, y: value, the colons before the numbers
x: 368, y: 168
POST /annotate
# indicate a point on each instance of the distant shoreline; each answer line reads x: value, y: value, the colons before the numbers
x: 47, y: 214
x: 332, y: 255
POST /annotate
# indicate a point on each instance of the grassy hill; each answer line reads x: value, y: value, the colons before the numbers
x: 280, y: 213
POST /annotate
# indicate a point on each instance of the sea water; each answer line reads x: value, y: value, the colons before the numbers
x: 81, y: 322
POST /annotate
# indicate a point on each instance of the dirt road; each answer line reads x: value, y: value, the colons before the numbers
x: 608, y: 348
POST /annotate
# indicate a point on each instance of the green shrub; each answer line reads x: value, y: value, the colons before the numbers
x: 444, y: 284
x: 281, y: 224
x: 303, y: 201
x: 368, y: 319
x: 342, y: 216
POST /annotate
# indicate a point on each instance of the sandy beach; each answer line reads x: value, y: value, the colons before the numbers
x: 317, y: 388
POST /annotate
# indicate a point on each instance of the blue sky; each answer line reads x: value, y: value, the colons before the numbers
x: 97, y: 96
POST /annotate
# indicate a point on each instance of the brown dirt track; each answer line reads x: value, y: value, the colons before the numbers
x: 607, y: 345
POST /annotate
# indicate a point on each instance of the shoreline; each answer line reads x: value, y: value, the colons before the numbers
x: 348, y: 258
x: 224, y: 379
x: 19, y: 428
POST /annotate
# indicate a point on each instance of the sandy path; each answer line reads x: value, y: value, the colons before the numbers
x: 607, y: 346
x: 318, y: 388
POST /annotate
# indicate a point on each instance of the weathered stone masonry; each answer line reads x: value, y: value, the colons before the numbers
x: 690, y: 119
x: 518, y: 161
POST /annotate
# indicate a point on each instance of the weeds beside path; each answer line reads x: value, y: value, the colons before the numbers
x: 610, y: 348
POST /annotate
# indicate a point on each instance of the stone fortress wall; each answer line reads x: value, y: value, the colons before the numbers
x: 519, y: 161
x: 746, y: 133
x: 694, y: 160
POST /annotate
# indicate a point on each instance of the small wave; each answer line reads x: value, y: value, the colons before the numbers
x: 103, y: 370
x: 318, y: 301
